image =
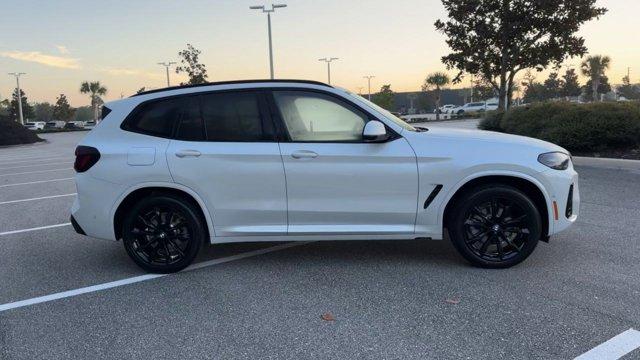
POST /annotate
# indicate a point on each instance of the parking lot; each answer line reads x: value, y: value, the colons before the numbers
x: 63, y: 295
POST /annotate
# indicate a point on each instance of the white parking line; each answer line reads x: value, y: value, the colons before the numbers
x: 35, y: 172
x: 28, y: 166
x: 615, y: 348
x: 34, y: 199
x: 141, y: 278
x: 37, y: 161
x: 33, y: 229
x: 33, y: 156
x: 35, y: 182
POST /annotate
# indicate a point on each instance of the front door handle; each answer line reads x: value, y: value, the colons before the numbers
x: 188, y: 153
x: 304, y: 154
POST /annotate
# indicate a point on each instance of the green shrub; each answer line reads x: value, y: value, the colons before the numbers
x: 491, y: 121
x: 578, y: 127
x: 12, y: 133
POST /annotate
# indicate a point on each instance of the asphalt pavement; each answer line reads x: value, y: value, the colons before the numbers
x: 66, y: 296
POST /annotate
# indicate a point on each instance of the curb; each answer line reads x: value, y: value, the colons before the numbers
x: 607, y: 163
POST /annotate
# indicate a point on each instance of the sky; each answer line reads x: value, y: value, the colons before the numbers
x: 61, y: 43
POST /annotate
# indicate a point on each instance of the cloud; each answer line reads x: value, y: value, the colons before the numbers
x: 44, y: 59
x: 131, y: 72
x: 62, y: 49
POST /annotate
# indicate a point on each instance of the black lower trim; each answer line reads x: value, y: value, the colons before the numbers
x: 432, y: 196
x: 77, y: 227
x: 569, y: 211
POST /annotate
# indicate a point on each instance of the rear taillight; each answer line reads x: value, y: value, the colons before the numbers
x: 86, y: 157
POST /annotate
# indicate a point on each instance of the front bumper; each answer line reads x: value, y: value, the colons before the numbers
x: 564, y: 193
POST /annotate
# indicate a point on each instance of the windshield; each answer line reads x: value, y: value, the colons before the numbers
x: 385, y: 112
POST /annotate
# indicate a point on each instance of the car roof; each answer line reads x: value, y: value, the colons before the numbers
x: 233, y: 82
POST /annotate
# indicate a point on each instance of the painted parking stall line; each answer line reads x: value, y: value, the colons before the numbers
x: 36, y: 172
x: 40, y: 160
x: 35, y: 182
x: 33, y: 229
x: 614, y: 348
x: 141, y: 278
x: 36, y: 199
x: 36, y: 165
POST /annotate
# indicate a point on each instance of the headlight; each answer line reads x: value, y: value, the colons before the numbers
x: 555, y: 160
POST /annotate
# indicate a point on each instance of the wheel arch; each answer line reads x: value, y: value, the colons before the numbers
x: 141, y: 190
x: 525, y: 183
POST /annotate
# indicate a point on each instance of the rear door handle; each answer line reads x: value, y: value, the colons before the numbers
x: 304, y: 154
x: 187, y: 153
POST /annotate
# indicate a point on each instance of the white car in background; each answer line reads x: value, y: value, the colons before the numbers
x: 35, y: 125
x: 282, y: 160
x: 470, y: 108
x: 446, y: 109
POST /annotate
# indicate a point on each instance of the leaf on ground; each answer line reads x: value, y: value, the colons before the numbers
x: 327, y: 317
x: 453, y: 301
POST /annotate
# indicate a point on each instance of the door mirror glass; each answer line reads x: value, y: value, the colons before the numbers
x: 374, y: 131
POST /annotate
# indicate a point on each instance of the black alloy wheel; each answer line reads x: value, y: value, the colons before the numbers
x: 163, y: 234
x: 495, y: 226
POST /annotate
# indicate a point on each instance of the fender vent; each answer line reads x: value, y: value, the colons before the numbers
x: 433, y: 195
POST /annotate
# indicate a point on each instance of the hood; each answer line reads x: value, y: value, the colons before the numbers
x: 491, y: 137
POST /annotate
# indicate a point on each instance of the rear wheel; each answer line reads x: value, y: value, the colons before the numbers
x: 495, y: 226
x: 163, y: 234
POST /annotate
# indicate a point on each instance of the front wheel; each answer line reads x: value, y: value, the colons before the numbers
x: 495, y: 226
x: 163, y: 233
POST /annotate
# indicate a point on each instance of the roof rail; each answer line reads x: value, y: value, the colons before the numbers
x: 230, y: 83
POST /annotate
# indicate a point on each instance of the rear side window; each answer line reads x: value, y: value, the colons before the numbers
x: 190, y: 123
x: 233, y: 117
x: 157, y: 118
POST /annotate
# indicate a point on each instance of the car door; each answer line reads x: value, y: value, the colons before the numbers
x: 336, y: 182
x: 224, y: 149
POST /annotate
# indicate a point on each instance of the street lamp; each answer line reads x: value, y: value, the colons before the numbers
x: 269, y: 11
x: 369, y: 77
x: 167, y: 65
x: 328, y: 61
x: 17, y: 75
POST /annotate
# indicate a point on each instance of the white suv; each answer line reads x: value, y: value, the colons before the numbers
x: 171, y: 169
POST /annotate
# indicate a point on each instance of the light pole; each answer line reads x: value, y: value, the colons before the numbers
x: 369, y: 77
x: 328, y: 61
x: 167, y: 65
x: 17, y: 75
x: 269, y: 11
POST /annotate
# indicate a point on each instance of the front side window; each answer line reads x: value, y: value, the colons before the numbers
x: 315, y: 117
x: 233, y: 117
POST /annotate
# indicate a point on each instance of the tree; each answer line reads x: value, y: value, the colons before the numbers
x: 83, y: 113
x: 27, y: 110
x: 62, y: 110
x: 570, y: 84
x: 385, y: 98
x: 141, y: 90
x: 189, y: 64
x: 630, y: 92
x: 436, y: 81
x: 43, y: 111
x: 95, y: 91
x: 483, y: 90
x: 553, y: 86
x: 594, y: 67
x: 603, y: 88
x: 4, y: 108
x: 497, y: 39
x: 535, y: 92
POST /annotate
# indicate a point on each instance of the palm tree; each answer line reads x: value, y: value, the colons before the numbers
x: 95, y: 91
x: 438, y: 80
x: 594, y: 67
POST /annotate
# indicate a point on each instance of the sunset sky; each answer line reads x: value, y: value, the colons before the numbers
x: 61, y: 43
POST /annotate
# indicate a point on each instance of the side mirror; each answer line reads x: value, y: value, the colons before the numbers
x: 374, y: 131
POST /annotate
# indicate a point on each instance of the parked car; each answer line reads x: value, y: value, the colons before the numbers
x: 55, y: 124
x: 468, y: 108
x: 74, y: 125
x: 445, y: 109
x: 89, y: 124
x: 35, y: 125
x: 168, y: 170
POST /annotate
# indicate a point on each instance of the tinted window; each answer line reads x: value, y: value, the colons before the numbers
x: 311, y: 116
x: 190, y: 123
x: 232, y: 117
x: 157, y: 118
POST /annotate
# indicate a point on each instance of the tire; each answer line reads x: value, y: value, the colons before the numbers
x: 163, y: 233
x: 495, y: 226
